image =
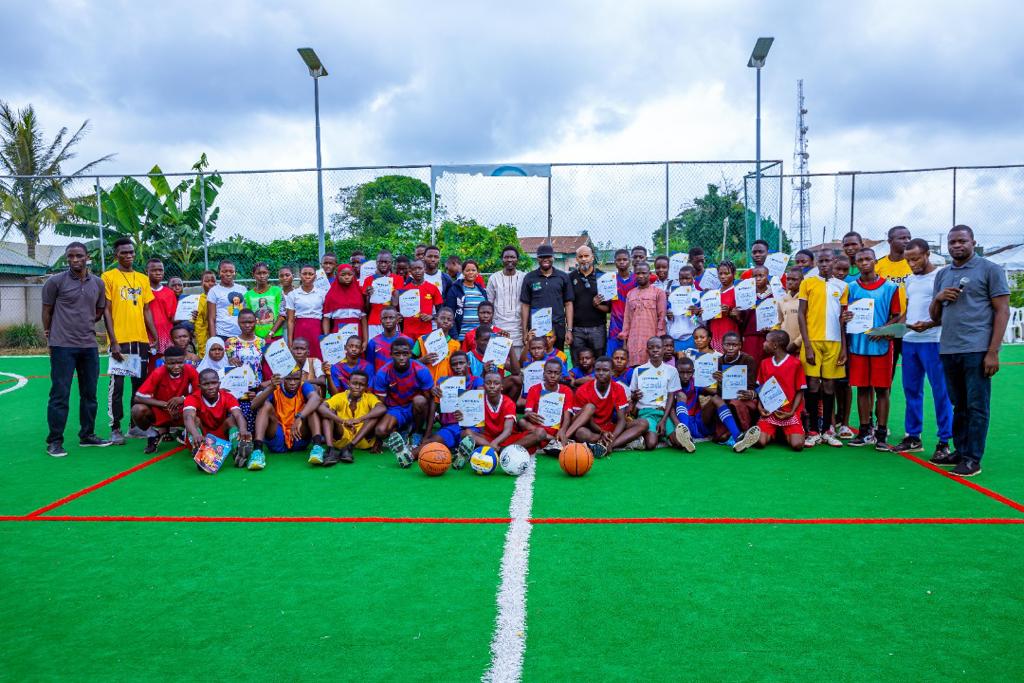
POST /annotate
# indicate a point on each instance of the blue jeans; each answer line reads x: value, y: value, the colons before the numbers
x: 64, y: 362
x: 970, y: 391
x: 920, y: 360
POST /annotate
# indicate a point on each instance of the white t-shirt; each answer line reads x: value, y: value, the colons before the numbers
x: 668, y: 377
x: 919, y: 298
x: 503, y: 291
x: 305, y: 304
x: 229, y: 301
x: 435, y: 279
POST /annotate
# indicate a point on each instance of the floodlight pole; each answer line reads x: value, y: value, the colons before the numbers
x: 757, y: 171
x: 321, y: 245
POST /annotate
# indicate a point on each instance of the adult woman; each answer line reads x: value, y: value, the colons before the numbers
x: 305, y: 307
x: 464, y: 297
x: 213, y: 357
x: 264, y: 300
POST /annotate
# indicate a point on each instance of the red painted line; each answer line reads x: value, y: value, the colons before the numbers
x: 99, y: 485
x: 966, y: 482
x: 776, y: 520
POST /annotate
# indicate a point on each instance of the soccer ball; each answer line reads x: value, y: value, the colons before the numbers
x: 484, y: 460
x: 514, y: 460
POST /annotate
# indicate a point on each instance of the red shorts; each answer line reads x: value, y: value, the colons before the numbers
x: 770, y: 428
x: 870, y: 371
x: 161, y: 418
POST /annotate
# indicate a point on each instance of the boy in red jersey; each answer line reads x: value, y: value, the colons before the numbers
x: 788, y: 371
x: 160, y: 398
x: 211, y: 410
x: 600, y: 410
x: 499, y: 422
x: 553, y: 429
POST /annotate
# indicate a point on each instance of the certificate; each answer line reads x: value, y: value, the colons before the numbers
x: 332, y: 348
x: 709, y: 280
x: 409, y: 303
x: 367, y: 269
x: 321, y: 283
x: 711, y: 304
x: 279, y: 357
x: 653, y: 387
x: 497, y: 350
x: 187, y: 305
x: 704, y: 369
x: 238, y: 381
x: 435, y: 342
x: 675, y: 263
x: 607, y: 287
x: 778, y: 291
x: 776, y: 264
x: 772, y: 396
x: 550, y: 407
x: 863, y: 316
x: 131, y: 366
x: 471, y: 405
x: 533, y: 374
x: 746, y: 294
x: 681, y: 298
x: 767, y: 315
x: 381, y: 293
x: 734, y: 380
x: 347, y: 330
x: 541, y: 321
x: 451, y: 388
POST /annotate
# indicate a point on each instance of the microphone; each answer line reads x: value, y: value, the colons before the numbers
x: 964, y: 281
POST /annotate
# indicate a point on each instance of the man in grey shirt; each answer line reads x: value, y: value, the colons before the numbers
x: 72, y: 303
x: 972, y: 302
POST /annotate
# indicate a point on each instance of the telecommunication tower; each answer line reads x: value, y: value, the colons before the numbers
x: 800, y: 183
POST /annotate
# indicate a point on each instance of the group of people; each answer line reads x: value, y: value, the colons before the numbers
x: 672, y: 353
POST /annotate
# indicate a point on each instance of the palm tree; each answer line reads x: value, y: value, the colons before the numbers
x: 36, y: 197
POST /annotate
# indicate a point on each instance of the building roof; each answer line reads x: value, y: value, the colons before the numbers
x: 838, y: 246
x: 47, y: 254
x: 13, y: 263
x: 561, y: 244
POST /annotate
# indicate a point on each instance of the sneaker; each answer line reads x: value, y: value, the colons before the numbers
x: 749, y: 438
x: 863, y: 439
x: 637, y: 444
x: 346, y: 455
x: 943, y: 458
x: 396, y: 444
x: 316, y: 455
x: 136, y: 433
x: 93, y: 441
x: 152, y: 445
x: 730, y: 442
x: 243, y: 451
x: 845, y: 433
x: 56, y: 449
x: 831, y: 439
x: 257, y: 461
x: 463, y: 452
x: 116, y: 438
x: 554, y: 447
x: 910, y: 444
x: 415, y: 440
x: 684, y: 438
x: 332, y: 456
x: 598, y: 449
x: 179, y: 436
x: 811, y: 440
x: 880, y: 441
x: 966, y: 468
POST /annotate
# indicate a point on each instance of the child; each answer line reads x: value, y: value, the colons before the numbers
x: 159, y: 400
x: 844, y: 396
x: 445, y: 321
x: 246, y: 349
x: 646, y: 307
x: 224, y: 301
x: 624, y: 282
x: 339, y: 374
x: 653, y: 406
x: 737, y: 417
x: 177, y: 286
x: 213, y: 357
x: 621, y: 371
x: 402, y: 266
x: 499, y: 423
x: 753, y: 338
x: 199, y: 321
x: 789, y: 309
x: 305, y: 307
x: 728, y: 321
x: 404, y: 386
x: 343, y: 303
x: 422, y: 323
x: 213, y: 411
x: 181, y: 338
x: 533, y: 353
x: 286, y: 418
x: 554, y: 435
x: 680, y: 327
x: 374, y: 323
x: 551, y: 352
x: 789, y: 373
x: 354, y: 414
x: 661, y: 280
x: 687, y: 416
x: 601, y: 410
x: 450, y: 432
x: 486, y: 313
x: 584, y: 372
x: 668, y: 350
x: 378, y: 349
x: 163, y: 305
x: 512, y: 379
x: 312, y: 368
x: 265, y: 301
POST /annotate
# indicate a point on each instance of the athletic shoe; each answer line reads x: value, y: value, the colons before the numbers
x: 243, y: 450
x: 845, y: 433
x: 637, y: 444
x: 316, y: 455
x: 966, y: 468
x: 910, y: 444
x: 93, y: 441
x: 136, y: 433
x: 811, y: 440
x: 56, y: 449
x: 598, y: 449
x: 943, y: 458
x: 880, y: 441
x: 116, y: 438
x: 865, y: 439
x: 831, y: 439
x: 554, y: 447
x: 346, y: 455
x: 152, y: 445
x: 415, y: 440
x: 257, y: 461
x: 179, y: 436
x: 463, y: 452
x: 684, y: 438
x: 331, y: 457
x: 396, y: 444
x: 749, y: 438
x: 730, y: 442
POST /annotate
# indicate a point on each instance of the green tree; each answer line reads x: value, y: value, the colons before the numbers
x: 391, y: 211
x: 30, y: 205
x: 466, y: 238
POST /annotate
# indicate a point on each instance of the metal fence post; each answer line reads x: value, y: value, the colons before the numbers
x: 202, y: 222
x: 782, y: 169
x: 99, y: 220
x: 954, y: 195
x: 667, y: 250
x: 549, y: 207
x: 433, y: 203
x: 853, y: 195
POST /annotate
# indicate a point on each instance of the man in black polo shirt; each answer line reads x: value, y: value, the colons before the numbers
x: 546, y: 287
x: 72, y: 303
x: 589, y: 313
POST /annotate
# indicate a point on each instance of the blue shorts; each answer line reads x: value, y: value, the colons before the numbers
x: 694, y: 423
x: 402, y: 415
x: 278, y: 445
x: 451, y: 434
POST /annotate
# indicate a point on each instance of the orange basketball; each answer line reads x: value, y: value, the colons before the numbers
x: 576, y: 459
x: 435, y: 459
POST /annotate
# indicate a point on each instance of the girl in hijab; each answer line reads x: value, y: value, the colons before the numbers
x: 344, y: 303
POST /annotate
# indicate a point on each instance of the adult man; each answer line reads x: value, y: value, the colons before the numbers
x: 72, y: 303
x: 758, y: 253
x: 129, y: 326
x: 589, y: 313
x: 894, y: 267
x: 547, y: 287
x: 503, y: 290
x: 921, y: 356
x: 432, y: 268
x: 972, y: 302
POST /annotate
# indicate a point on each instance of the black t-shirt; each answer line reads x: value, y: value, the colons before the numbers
x: 584, y: 289
x: 547, y: 292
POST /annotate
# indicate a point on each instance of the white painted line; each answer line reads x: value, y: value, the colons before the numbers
x: 22, y: 381
x: 509, y: 642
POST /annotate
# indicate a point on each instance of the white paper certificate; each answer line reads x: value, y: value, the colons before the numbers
x: 238, y: 381
x: 734, y: 380
x: 704, y: 370
x: 321, y: 283
x: 497, y: 350
x: 767, y: 314
x: 681, y: 298
x: 772, y: 396
x: 652, y: 385
x: 348, y: 330
x: 778, y: 291
x: 381, y: 293
x: 332, y: 348
x: 675, y: 263
x: 187, y: 305
x: 451, y: 387
x: 776, y: 264
x: 541, y: 321
x: 711, y: 305
x: 436, y: 343
x: 550, y: 407
x: 471, y: 405
x: 533, y: 374
x: 863, y: 316
x: 709, y: 280
x: 367, y: 269
x: 746, y: 294
x: 409, y: 303
x: 608, y: 287
x: 131, y: 366
x: 279, y: 358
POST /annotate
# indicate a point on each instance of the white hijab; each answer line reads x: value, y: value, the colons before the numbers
x: 208, y: 363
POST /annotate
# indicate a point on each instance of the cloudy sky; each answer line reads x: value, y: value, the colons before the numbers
x: 888, y: 84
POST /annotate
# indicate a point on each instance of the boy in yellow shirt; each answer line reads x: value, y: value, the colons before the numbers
x: 354, y: 414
